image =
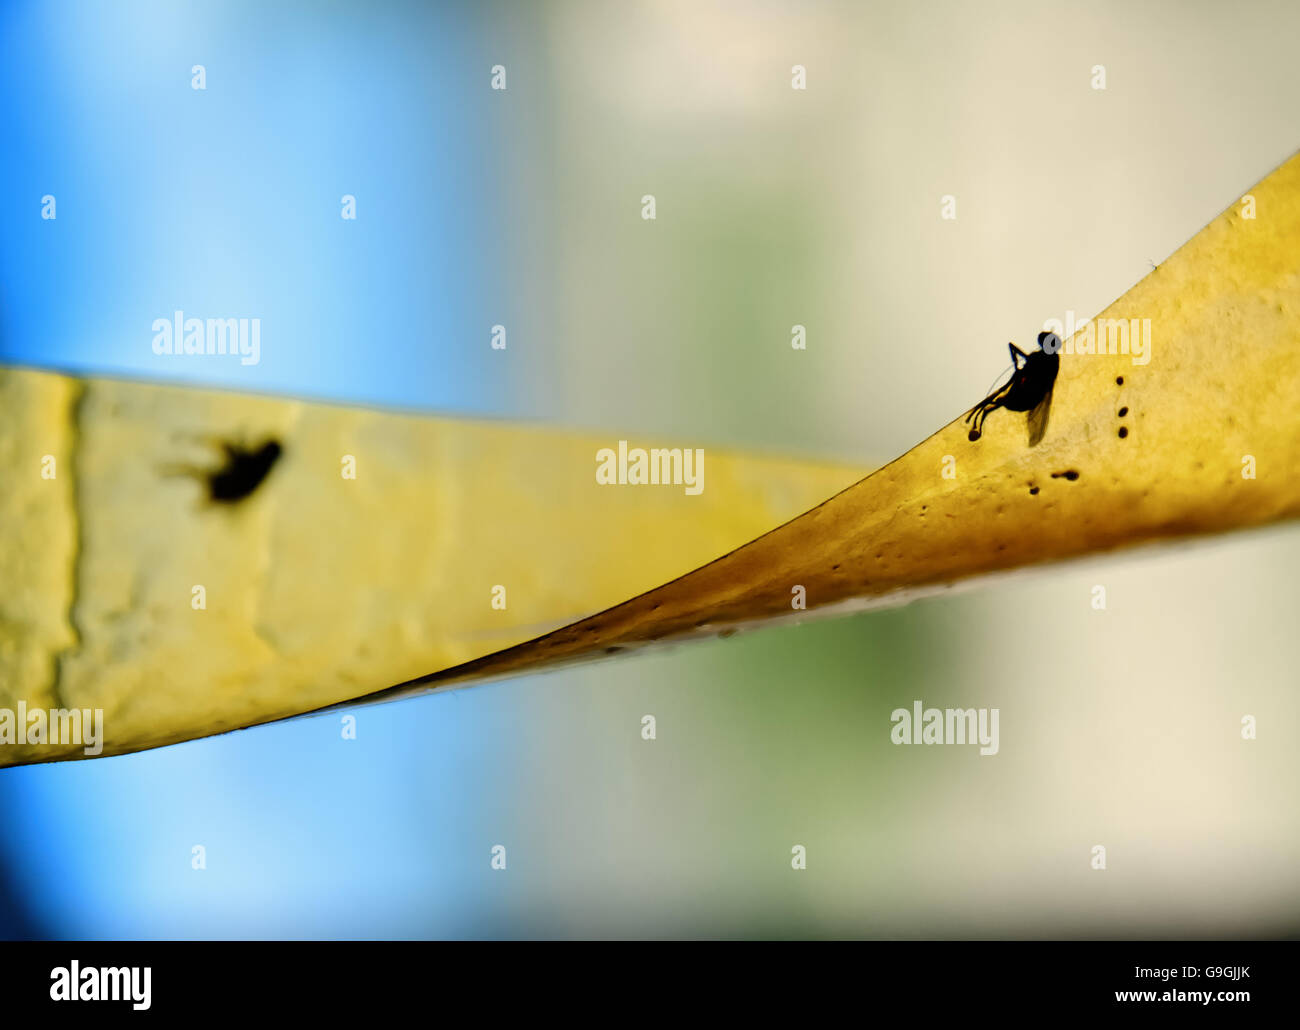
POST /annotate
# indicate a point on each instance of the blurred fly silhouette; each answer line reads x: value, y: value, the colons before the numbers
x: 1029, y: 389
x: 242, y: 473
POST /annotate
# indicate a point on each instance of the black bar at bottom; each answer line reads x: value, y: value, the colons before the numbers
x: 1227, y: 980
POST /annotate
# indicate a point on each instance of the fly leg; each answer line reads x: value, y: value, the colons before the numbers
x: 229, y: 446
x: 185, y: 470
x: 981, y: 413
x: 201, y: 475
x: 983, y: 409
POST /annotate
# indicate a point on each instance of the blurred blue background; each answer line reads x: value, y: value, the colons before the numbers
x: 226, y: 202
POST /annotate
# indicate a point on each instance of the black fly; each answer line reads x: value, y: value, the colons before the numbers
x: 242, y: 473
x: 1030, y: 388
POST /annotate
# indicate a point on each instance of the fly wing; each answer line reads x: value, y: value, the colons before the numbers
x: 1038, y: 418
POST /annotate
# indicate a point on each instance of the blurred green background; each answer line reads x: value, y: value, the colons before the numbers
x: 822, y: 208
